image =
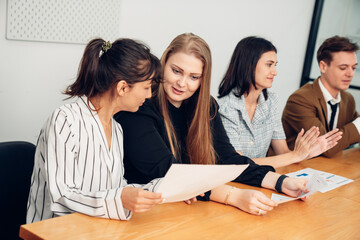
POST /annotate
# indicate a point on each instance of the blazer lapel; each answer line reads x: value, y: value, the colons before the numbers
x: 322, y: 103
x: 342, y: 107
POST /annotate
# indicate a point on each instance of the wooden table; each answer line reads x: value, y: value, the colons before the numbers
x: 331, y: 215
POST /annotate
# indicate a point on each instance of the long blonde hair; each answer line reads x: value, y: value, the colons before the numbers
x: 199, y: 138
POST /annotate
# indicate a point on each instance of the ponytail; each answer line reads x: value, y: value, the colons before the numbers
x: 85, y: 83
x: 104, y: 64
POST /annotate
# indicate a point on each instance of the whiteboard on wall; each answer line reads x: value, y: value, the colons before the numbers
x: 65, y: 21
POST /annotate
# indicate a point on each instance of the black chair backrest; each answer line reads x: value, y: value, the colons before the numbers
x: 16, y: 165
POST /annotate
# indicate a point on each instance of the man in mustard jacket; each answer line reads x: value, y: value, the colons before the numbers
x: 325, y: 103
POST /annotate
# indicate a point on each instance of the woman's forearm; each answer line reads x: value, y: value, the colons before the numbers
x: 279, y: 160
x: 221, y: 193
x: 269, y: 180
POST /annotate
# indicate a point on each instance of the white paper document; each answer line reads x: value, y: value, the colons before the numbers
x: 315, y: 183
x: 333, y: 181
x: 185, y: 181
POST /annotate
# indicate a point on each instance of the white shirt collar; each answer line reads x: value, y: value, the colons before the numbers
x: 327, y: 95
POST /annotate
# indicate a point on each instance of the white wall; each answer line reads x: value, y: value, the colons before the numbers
x: 33, y: 74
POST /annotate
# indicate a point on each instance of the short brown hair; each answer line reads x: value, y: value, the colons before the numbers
x: 335, y: 44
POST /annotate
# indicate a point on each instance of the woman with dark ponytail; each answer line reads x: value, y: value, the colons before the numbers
x: 79, y: 154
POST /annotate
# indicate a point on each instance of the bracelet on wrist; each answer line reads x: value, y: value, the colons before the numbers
x: 228, y: 195
x: 279, y: 182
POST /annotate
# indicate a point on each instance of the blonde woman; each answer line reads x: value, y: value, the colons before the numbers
x: 180, y: 124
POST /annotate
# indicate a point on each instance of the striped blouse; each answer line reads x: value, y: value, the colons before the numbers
x: 74, y: 170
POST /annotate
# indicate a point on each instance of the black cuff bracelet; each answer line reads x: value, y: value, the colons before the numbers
x: 279, y: 183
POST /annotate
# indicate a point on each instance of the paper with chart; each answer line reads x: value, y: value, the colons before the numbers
x: 315, y: 183
x: 333, y: 181
x: 185, y: 181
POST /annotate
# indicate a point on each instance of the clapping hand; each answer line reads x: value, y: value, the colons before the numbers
x: 325, y: 142
x: 304, y: 142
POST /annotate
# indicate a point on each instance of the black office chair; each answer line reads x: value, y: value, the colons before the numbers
x: 16, y: 165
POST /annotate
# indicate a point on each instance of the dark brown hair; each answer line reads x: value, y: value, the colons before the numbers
x: 101, y: 69
x: 332, y: 45
x: 240, y: 74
